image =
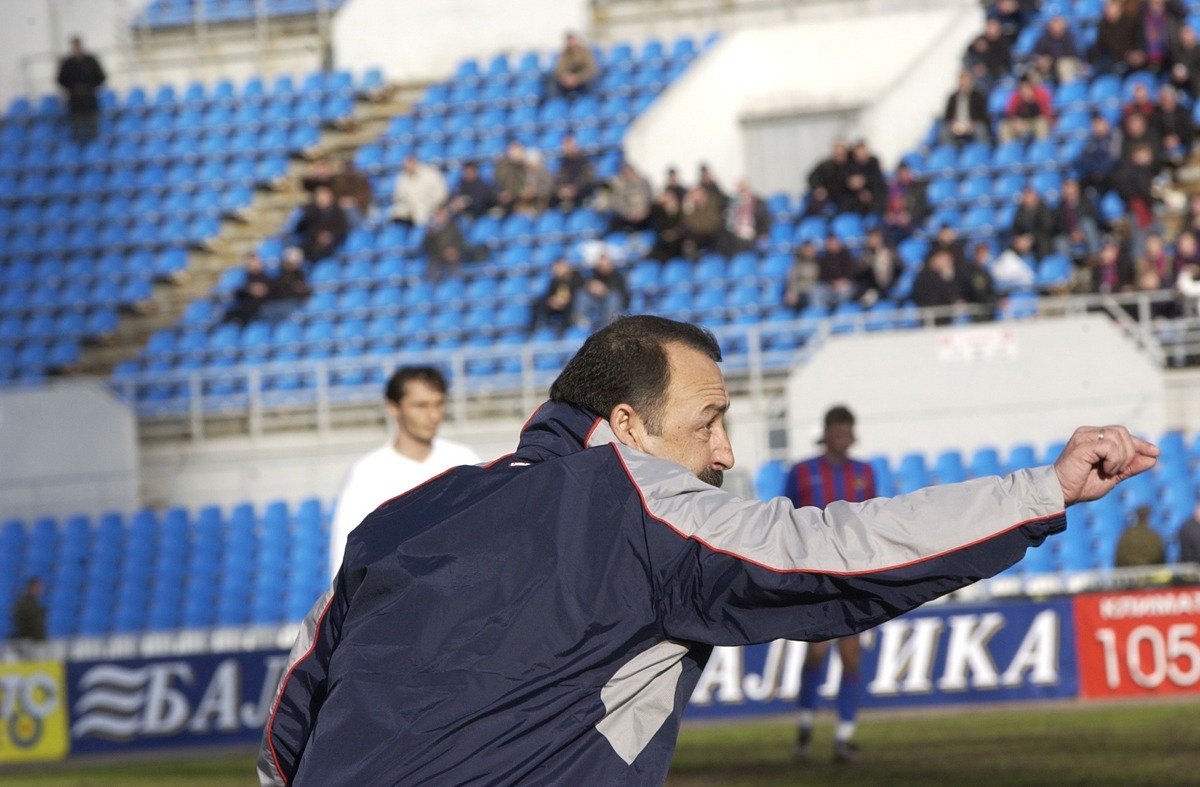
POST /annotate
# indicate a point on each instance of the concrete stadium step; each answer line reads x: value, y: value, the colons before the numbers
x: 263, y: 218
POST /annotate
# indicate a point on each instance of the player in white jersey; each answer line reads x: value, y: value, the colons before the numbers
x: 415, y: 398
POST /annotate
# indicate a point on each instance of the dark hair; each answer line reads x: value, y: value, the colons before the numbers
x: 838, y: 414
x: 430, y: 375
x: 626, y: 362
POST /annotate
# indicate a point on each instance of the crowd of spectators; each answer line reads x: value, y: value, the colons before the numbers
x: 266, y: 296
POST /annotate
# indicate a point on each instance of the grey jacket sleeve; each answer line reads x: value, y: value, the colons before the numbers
x: 734, y: 571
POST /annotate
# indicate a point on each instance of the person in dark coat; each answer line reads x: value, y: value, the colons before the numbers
x: 575, y: 179
x: 829, y: 176
x: 322, y: 226
x: 1185, y: 62
x: 1101, y: 151
x: 989, y: 57
x: 1172, y: 124
x: 474, y: 196
x: 978, y: 287
x: 29, y: 613
x: 605, y: 293
x: 559, y: 306
x: 866, y: 188
x: 1034, y: 218
x: 965, y: 118
x: 1119, y: 46
x: 256, y: 291
x: 937, y: 286
x: 81, y: 75
x: 666, y: 219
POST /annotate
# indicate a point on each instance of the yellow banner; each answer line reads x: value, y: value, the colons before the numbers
x: 33, y: 712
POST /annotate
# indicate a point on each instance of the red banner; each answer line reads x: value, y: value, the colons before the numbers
x: 1144, y: 642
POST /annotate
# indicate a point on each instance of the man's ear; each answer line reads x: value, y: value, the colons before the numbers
x: 628, y: 426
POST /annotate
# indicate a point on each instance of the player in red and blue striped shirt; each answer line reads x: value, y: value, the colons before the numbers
x: 818, y: 482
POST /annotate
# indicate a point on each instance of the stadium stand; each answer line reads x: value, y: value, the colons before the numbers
x: 176, y: 13
x: 259, y: 565
x: 164, y: 170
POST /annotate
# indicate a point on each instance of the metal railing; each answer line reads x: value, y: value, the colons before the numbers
x: 510, y: 380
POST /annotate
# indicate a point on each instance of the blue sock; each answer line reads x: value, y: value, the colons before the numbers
x: 847, y: 699
x: 810, y: 681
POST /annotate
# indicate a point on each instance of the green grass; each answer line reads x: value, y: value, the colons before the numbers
x: 1117, y: 744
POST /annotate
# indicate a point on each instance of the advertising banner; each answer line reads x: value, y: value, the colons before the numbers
x: 184, y: 701
x: 934, y: 656
x: 1139, y: 643
x: 33, y: 712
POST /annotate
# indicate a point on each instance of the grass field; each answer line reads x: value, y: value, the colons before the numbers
x: 1116, y: 744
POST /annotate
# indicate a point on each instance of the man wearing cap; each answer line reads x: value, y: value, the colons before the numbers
x: 819, y: 481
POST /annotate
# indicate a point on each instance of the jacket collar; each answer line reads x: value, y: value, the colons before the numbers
x: 557, y: 429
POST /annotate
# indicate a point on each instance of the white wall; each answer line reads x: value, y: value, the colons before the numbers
x: 414, y: 40
x: 964, y: 387
x: 34, y: 34
x: 897, y: 68
x: 65, y: 448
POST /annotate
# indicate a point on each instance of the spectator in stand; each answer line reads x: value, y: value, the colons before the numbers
x: 1013, y: 270
x: 28, y: 623
x: 1156, y: 266
x: 1013, y: 15
x: 511, y: 174
x: 81, y: 75
x: 1187, y: 283
x: 1189, y: 538
x: 1185, y: 62
x: 989, y: 57
x: 666, y: 219
x: 605, y: 294
x: 575, y: 179
x: 353, y: 190
x: 1133, y: 181
x: 936, y: 286
x: 978, y: 288
x: 865, y: 187
x: 1139, y: 103
x: 747, y: 221
x: 320, y: 173
x: 630, y: 199
x: 674, y: 185
x: 818, y: 203
x: 444, y: 245
x: 290, y: 287
x: 1077, y: 223
x: 539, y: 183
x: 1192, y: 214
x: 837, y: 282
x: 1119, y: 46
x: 474, y: 195
x: 575, y: 68
x: 255, y: 292
x: 1100, y: 154
x: 1172, y: 124
x: 706, y: 181
x: 947, y: 239
x: 322, y: 226
x: 879, y: 269
x: 1055, y: 55
x: 1136, y: 132
x: 907, y: 205
x: 701, y: 222
x: 802, y: 277
x: 1112, y: 272
x: 1139, y: 545
x: 1028, y: 113
x: 1159, y: 29
x: 965, y: 118
x: 1034, y: 218
x: 827, y: 180
x: 420, y: 189
x: 558, y: 306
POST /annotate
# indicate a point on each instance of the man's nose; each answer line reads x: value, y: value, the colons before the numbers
x: 722, y: 456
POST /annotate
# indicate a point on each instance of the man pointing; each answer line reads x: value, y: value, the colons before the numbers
x: 545, y: 618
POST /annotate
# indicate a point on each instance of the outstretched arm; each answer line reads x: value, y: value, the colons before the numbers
x: 1097, y: 458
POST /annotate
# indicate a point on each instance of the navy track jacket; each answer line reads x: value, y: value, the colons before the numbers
x: 545, y: 618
